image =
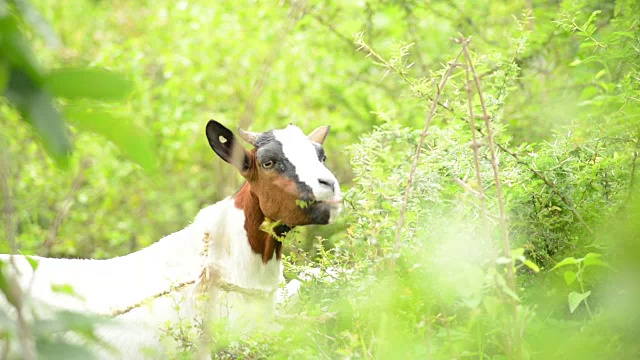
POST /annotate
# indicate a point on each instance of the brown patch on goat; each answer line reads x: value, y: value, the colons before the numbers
x: 261, y: 242
x: 268, y: 194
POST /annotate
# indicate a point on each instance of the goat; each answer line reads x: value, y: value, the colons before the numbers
x: 287, y: 183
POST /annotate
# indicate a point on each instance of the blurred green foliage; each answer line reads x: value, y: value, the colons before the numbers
x: 561, y: 80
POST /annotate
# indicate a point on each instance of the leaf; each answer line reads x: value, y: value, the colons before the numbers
x: 15, y: 48
x: 570, y: 277
x: 39, y: 24
x: 36, y: 107
x: 516, y: 253
x: 33, y: 262
x: 8, y: 286
x: 4, y: 75
x: 564, y: 262
x: 87, y: 83
x: 62, y: 351
x: 132, y: 141
x: 576, y: 298
x: 594, y: 259
x: 531, y: 265
x: 65, y: 289
x: 591, y: 19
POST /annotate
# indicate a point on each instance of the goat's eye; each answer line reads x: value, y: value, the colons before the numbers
x: 268, y: 164
x: 324, y: 158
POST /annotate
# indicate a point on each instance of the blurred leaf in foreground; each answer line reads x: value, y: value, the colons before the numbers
x: 133, y: 141
x: 35, y: 104
x: 78, y: 83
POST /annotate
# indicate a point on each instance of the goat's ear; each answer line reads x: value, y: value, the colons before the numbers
x: 223, y: 142
x: 319, y: 134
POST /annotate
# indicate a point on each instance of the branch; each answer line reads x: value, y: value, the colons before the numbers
x: 423, y: 135
x: 513, y: 346
x: 475, y: 146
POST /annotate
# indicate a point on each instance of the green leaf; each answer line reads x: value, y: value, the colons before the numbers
x: 39, y: 24
x: 570, y: 277
x: 591, y: 19
x: 87, y: 83
x: 33, y: 262
x: 35, y: 105
x: 62, y: 351
x: 594, y: 259
x: 516, y: 253
x: 8, y: 286
x: 5, y: 70
x: 132, y: 141
x: 576, y: 298
x: 16, y: 49
x: 564, y: 262
x: 531, y: 265
x: 65, y: 289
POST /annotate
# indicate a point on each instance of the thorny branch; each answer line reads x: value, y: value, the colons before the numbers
x: 423, y: 135
x: 475, y: 146
x: 513, y: 345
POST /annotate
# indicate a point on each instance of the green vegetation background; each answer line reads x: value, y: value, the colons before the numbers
x: 560, y: 79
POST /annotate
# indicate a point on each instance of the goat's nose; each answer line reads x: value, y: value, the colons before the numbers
x: 329, y: 183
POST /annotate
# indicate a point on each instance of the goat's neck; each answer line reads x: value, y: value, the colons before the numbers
x: 261, y: 242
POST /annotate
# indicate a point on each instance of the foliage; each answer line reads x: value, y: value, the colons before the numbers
x: 559, y: 79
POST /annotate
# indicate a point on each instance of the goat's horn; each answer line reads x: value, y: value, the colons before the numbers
x: 318, y: 135
x: 248, y: 136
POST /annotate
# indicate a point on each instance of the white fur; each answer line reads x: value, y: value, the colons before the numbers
x: 298, y: 149
x: 108, y: 286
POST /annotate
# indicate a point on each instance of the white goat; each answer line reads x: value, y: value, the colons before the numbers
x: 225, y: 247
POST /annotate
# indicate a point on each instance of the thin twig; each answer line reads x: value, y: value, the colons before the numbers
x: 401, y: 71
x: 475, y: 145
x: 506, y: 245
x: 423, y: 135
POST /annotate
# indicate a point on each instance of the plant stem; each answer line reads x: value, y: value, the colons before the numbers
x: 423, y: 135
x: 506, y: 246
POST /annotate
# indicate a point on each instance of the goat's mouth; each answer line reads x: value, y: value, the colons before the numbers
x: 335, y: 202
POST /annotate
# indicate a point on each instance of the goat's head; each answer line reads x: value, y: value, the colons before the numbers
x: 285, y: 171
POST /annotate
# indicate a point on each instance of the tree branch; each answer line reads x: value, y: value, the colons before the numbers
x: 432, y: 111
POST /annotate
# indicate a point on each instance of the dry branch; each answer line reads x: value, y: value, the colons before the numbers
x: 475, y: 146
x: 513, y: 345
x: 423, y: 135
